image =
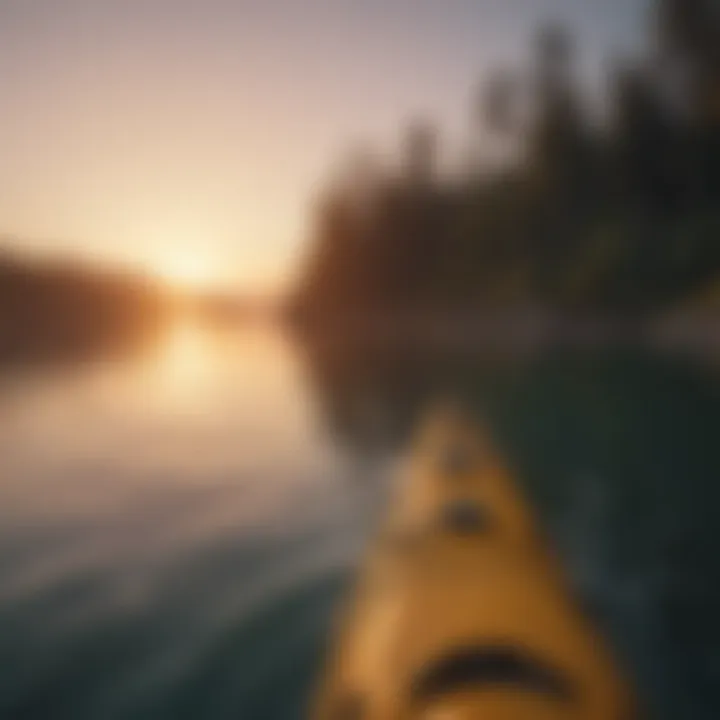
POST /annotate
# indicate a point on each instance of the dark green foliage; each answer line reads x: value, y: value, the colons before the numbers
x: 612, y: 215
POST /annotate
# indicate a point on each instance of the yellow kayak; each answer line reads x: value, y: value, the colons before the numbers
x: 461, y: 612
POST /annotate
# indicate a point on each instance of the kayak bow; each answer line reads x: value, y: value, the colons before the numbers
x: 461, y: 612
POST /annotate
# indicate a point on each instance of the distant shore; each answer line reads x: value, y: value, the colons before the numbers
x: 56, y: 312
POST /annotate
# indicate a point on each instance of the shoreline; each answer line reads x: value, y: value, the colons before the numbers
x: 521, y: 331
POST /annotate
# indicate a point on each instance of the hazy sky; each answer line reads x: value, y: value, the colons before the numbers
x: 175, y: 133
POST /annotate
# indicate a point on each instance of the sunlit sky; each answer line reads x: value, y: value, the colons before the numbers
x: 187, y: 137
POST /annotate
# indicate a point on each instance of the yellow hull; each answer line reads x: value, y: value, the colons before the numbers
x: 461, y: 612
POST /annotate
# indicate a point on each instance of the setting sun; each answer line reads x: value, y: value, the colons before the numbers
x: 187, y: 271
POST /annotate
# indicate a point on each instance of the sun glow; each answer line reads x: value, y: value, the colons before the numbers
x: 186, y: 270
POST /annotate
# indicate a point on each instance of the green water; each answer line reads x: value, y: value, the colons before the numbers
x: 176, y: 527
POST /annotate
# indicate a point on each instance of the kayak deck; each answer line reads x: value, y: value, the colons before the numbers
x: 460, y: 610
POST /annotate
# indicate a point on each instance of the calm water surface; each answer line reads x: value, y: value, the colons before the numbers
x: 176, y: 528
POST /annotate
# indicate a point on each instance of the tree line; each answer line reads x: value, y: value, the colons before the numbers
x: 53, y: 311
x: 612, y: 209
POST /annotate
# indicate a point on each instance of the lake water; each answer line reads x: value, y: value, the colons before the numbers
x: 177, y: 527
